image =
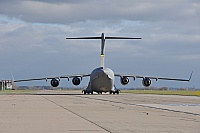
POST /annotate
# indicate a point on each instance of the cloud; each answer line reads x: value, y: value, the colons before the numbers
x: 65, y: 12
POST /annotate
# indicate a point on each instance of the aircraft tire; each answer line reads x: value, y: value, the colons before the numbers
x: 84, y: 92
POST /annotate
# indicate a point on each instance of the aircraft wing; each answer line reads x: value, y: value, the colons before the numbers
x: 58, y: 77
x: 152, y: 77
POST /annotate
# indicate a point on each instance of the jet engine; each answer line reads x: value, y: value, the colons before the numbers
x: 124, y: 80
x: 146, y: 82
x: 76, y: 81
x: 54, y: 82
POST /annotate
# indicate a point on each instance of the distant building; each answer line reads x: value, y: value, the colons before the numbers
x: 6, y: 85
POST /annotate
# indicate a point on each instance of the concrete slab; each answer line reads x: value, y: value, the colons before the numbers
x: 35, y: 114
x: 58, y: 111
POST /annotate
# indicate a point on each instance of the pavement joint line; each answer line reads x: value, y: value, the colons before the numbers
x: 76, y: 114
x: 145, y: 106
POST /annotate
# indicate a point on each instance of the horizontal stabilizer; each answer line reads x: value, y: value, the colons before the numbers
x: 83, y: 38
x: 123, y: 38
x: 103, y: 39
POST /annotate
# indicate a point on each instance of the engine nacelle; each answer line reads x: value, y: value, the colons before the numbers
x: 54, y: 82
x: 76, y: 81
x: 124, y: 80
x: 146, y: 82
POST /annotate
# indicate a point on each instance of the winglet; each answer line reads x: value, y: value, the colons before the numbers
x: 190, y: 76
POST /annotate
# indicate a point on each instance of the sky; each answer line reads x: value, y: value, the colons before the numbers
x: 33, y: 44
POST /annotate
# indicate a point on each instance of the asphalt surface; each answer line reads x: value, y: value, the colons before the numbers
x: 63, y: 112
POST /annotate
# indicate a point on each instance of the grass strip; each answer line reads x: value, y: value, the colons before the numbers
x: 10, y: 92
x: 164, y: 92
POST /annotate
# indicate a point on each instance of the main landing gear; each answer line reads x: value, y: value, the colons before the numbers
x: 85, y: 92
x: 115, y: 92
x: 91, y: 92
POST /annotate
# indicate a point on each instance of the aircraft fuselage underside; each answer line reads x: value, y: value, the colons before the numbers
x: 101, y: 80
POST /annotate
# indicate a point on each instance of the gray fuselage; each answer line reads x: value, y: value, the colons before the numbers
x: 101, y: 80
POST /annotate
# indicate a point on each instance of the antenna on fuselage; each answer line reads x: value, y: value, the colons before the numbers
x: 103, y: 39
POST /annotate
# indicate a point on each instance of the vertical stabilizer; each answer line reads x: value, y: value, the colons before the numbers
x: 102, y: 60
x: 102, y: 55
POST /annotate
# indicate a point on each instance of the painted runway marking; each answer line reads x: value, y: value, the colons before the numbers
x: 182, y: 104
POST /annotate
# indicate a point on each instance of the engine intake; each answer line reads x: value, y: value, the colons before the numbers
x: 146, y: 82
x: 124, y: 80
x: 54, y: 82
x: 76, y: 81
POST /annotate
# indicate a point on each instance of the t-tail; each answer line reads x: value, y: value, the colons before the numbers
x: 103, y: 39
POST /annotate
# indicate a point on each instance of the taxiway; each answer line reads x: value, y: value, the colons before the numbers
x: 58, y: 111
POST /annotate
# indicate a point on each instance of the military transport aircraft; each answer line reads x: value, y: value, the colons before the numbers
x: 102, y: 78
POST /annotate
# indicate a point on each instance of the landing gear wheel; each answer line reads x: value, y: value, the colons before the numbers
x: 92, y: 92
x: 84, y: 92
x: 111, y: 92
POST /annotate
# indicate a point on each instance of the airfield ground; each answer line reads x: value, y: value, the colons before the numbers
x: 70, y: 111
x: 165, y: 92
